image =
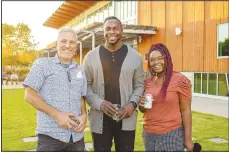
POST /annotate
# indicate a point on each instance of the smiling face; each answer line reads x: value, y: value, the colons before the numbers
x: 157, y: 62
x: 66, y: 45
x: 112, y: 31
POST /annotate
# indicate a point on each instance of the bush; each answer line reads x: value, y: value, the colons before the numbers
x: 22, y: 73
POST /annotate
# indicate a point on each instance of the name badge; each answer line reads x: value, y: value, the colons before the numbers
x: 79, y: 75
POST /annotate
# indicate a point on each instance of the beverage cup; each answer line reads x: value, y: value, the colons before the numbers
x: 118, y: 109
x: 149, y: 101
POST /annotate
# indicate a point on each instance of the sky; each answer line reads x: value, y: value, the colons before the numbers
x: 34, y: 14
x: 223, y: 31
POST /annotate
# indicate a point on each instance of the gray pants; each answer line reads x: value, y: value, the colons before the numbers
x: 171, y: 141
x: 47, y: 143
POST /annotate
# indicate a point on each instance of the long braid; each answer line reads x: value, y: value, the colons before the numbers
x: 168, y: 63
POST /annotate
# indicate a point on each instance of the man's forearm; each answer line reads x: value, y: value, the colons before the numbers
x: 37, y: 102
x: 187, y: 123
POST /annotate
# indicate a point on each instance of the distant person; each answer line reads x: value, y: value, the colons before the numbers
x: 7, y: 78
x: 14, y: 78
x: 168, y: 122
x: 3, y: 76
x: 54, y: 86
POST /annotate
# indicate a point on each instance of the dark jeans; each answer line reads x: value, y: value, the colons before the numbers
x: 47, y: 143
x: 123, y: 140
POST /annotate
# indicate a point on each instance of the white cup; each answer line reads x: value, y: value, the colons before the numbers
x: 149, y: 101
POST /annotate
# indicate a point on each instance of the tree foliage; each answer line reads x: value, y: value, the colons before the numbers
x: 225, y: 47
x: 16, y: 43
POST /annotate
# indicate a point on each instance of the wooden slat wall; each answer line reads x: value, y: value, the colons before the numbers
x: 193, y: 36
x: 145, y: 6
x: 215, y: 13
x: 144, y: 11
x: 174, y: 42
x: 158, y: 20
x: 195, y: 49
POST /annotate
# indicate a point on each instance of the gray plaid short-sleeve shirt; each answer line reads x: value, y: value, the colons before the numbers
x: 60, y: 87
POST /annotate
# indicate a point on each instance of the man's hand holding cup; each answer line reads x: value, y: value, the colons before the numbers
x: 108, y: 108
x: 81, y: 122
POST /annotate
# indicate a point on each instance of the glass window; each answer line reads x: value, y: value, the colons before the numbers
x: 106, y: 12
x: 125, y: 10
x: 79, y: 25
x: 101, y: 15
x: 212, y: 84
x: 133, y: 8
x: 88, y: 20
x: 197, y: 82
x: 118, y: 10
x: 111, y: 10
x: 92, y: 18
x: 121, y: 10
x: 204, y: 83
x: 96, y: 18
x: 227, y: 80
x: 223, y: 39
x: 222, y: 85
x: 129, y: 8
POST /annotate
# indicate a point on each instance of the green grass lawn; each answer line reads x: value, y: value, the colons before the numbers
x: 19, y: 121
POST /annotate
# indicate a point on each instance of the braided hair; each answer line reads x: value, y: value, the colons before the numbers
x: 168, y: 66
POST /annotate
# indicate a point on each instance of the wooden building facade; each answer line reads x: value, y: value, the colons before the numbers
x: 195, y: 49
x: 190, y: 30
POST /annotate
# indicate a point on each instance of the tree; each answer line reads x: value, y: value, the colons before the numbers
x: 225, y: 47
x: 16, y: 40
x: 26, y: 58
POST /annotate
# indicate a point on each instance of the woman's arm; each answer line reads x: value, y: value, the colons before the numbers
x: 141, y: 104
x: 186, y: 114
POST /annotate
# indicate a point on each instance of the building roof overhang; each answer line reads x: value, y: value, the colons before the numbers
x: 66, y: 12
x: 130, y: 33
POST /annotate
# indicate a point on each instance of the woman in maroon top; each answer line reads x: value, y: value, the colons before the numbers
x: 168, y: 124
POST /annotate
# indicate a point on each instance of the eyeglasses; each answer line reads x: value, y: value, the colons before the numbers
x: 69, y: 75
x: 158, y: 59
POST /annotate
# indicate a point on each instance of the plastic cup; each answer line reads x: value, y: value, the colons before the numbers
x: 118, y: 109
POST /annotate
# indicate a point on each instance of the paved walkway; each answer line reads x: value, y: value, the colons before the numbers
x: 12, y: 86
x: 200, y: 104
x: 210, y: 106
